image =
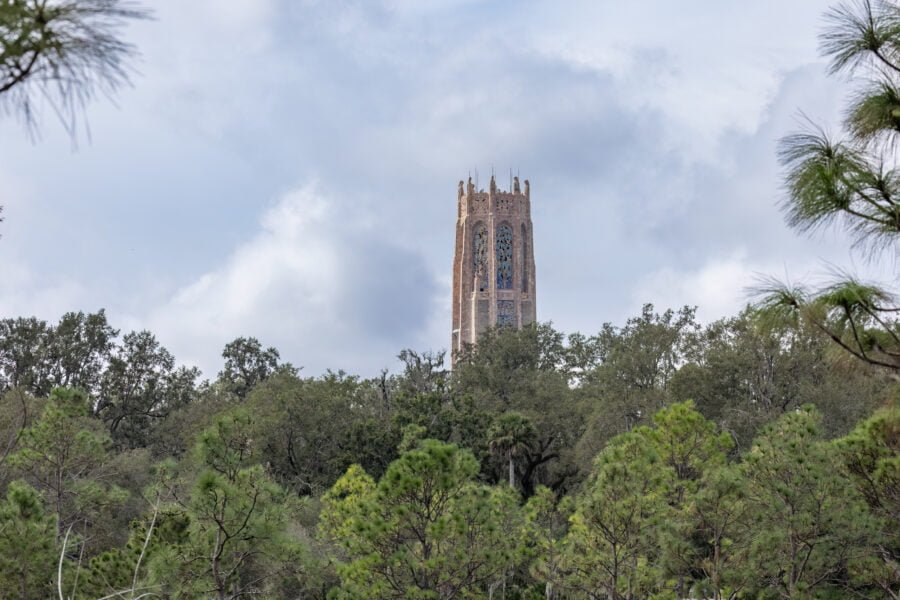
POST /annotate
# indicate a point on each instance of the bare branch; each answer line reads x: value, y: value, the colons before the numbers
x: 62, y: 556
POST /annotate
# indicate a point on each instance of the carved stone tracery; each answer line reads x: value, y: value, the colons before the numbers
x: 504, y: 248
x: 480, y: 257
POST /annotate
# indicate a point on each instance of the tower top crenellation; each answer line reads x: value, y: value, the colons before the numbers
x: 467, y: 188
x: 494, y: 201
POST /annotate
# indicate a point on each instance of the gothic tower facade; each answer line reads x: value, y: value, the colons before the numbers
x: 493, y: 266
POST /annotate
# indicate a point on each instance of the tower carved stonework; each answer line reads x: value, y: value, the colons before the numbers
x: 493, y: 266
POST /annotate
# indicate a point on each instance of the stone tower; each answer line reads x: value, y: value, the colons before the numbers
x: 493, y: 266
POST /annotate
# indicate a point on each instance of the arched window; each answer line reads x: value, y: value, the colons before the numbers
x: 480, y: 257
x: 504, y: 250
x: 524, y: 259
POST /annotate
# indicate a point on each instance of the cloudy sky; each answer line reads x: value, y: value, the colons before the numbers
x: 287, y: 169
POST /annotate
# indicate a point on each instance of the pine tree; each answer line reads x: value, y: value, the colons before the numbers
x: 427, y: 530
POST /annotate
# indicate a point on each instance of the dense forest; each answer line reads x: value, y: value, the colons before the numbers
x: 757, y: 456
x: 660, y: 458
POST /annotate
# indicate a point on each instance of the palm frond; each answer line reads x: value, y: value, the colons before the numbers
x: 889, y: 16
x: 861, y: 33
x: 828, y: 180
x: 874, y: 114
x: 874, y: 214
x: 854, y: 297
x: 777, y: 303
x: 511, y: 433
x: 64, y: 53
x: 817, y: 179
x: 858, y: 315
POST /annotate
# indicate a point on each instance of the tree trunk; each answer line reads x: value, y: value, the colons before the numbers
x: 717, y: 588
x: 512, y: 472
x: 216, y: 567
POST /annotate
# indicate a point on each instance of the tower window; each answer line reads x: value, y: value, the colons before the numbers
x: 504, y: 251
x: 479, y: 257
x: 524, y: 260
x: 506, y: 313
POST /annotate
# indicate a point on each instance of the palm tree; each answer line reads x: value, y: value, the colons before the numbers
x: 853, y: 182
x: 511, y: 435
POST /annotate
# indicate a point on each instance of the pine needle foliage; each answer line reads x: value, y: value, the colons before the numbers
x: 851, y: 183
x: 64, y: 53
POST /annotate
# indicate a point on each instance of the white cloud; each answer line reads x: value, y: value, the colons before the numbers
x: 318, y: 281
x: 718, y: 288
x: 721, y: 287
x: 25, y: 293
x: 709, y: 67
x: 647, y: 130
